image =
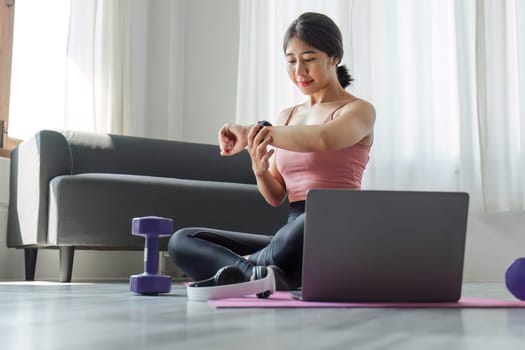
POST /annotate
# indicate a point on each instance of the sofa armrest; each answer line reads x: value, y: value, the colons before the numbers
x: 33, y: 164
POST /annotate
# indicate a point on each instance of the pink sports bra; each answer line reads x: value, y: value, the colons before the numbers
x: 303, y: 171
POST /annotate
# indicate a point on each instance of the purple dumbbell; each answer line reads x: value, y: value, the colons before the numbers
x: 515, y: 278
x: 150, y: 282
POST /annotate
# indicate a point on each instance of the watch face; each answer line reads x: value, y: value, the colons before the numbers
x: 264, y: 123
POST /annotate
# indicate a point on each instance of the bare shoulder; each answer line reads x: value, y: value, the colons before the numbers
x: 358, y: 108
x: 283, y: 115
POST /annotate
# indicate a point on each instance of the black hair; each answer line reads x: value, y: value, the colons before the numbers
x: 320, y: 32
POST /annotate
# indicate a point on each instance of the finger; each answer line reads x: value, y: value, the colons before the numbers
x: 263, y: 145
x: 225, y: 145
x: 223, y: 135
x: 229, y: 148
x: 223, y: 130
x: 251, y: 135
x: 262, y: 148
x: 223, y: 139
x: 267, y: 140
x: 261, y: 135
x: 226, y: 133
x: 223, y: 142
x: 268, y: 155
x: 227, y: 137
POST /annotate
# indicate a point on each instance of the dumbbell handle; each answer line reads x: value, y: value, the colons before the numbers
x: 151, y: 255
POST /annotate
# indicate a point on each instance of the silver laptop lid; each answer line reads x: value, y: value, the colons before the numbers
x: 384, y: 245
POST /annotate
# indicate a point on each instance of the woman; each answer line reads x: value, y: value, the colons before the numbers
x: 322, y: 143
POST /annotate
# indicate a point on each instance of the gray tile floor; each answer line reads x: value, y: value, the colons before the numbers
x: 108, y: 316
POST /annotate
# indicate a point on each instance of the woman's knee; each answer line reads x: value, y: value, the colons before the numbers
x: 178, y: 244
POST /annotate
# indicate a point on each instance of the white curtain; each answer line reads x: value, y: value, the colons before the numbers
x: 97, y: 73
x: 109, y: 66
x: 447, y: 79
x: 125, y: 67
x: 500, y: 91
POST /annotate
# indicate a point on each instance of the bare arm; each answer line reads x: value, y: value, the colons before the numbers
x: 353, y: 123
x: 233, y: 138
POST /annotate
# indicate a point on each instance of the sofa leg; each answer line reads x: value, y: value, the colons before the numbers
x: 66, y: 255
x: 30, y: 262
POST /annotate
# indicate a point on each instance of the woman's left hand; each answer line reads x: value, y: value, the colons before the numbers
x: 258, y: 141
x: 232, y: 138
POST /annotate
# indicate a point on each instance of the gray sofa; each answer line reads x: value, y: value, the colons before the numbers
x: 77, y: 190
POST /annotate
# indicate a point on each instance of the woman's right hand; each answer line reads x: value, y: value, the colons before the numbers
x: 232, y: 138
x: 269, y: 181
x: 258, y: 142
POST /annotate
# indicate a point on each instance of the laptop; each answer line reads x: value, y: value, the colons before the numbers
x: 383, y: 246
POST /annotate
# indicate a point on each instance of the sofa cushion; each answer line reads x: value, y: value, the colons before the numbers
x: 95, y: 210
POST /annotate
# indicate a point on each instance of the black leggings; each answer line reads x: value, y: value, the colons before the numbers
x: 200, y: 252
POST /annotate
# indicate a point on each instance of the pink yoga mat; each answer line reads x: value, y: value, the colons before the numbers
x: 285, y: 300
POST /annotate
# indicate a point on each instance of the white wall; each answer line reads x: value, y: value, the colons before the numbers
x: 210, y: 54
x: 211, y: 47
x: 494, y: 241
x: 205, y: 40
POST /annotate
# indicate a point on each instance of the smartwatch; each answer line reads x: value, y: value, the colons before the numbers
x: 262, y: 124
